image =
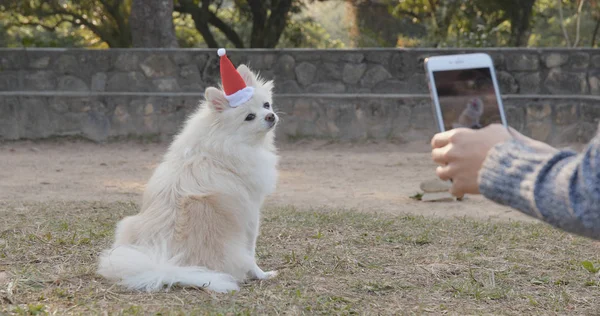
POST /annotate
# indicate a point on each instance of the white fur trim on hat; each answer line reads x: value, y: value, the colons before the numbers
x: 240, y: 97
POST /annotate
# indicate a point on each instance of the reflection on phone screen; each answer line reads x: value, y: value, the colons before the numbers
x: 467, y: 98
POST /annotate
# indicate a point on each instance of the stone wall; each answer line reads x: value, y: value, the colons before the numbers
x: 551, y: 95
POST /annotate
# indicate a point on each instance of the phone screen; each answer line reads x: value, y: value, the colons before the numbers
x: 467, y: 98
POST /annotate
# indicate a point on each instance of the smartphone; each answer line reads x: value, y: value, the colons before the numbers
x: 464, y: 91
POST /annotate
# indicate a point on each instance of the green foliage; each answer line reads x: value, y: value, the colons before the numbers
x: 421, y: 23
x: 498, y: 23
x: 590, y: 267
x: 305, y: 32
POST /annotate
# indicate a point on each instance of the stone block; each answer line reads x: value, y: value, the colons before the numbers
x: 329, y: 72
x: 417, y: 83
x: 559, y: 82
x: 540, y: 130
x: 538, y: 111
x: 288, y: 86
x: 40, y: 80
x: 354, y: 58
x: 595, y: 61
x: 93, y: 61
x: 507, y: 83
x: 401, y: 121
x: 567, y: 134
x: 40, y: 62
x: 313, y: 56
x: 261, y: 60
x: 594, y: 82
x: 33, y: 118
x: 587, y: 131
x: 156, y: 66
x: 499, y: 61
x: 128, y: 61
x: 303, y: 110
x: 391, y: 86
x: 67, y: 64
x: 166, y: 84
x: 127, y: 82
x: 9, y: 81
x: 379, y: 117
x: 326, y: 87
x: 422, y: 117
x: 99, y: 81
x: 13, y: 60
x: 285, y: 69
x: 515, y: 116
x: 553, y: 60
x: 580, y: 60
x: 566, y: 114
x: 397, y: 66
x: 9, y: 125
x: 379, y: 57
x: 374, y: 76
x: 529, y: 83
x: 182, y: 58
x: 305, y: 72
x: 58, y: 105
x: 211, y: 74
x: 200, y: 60
x: 71, y: 83
x: 590, y: 112
x: 353, y: 72
x: 96, y: 126
x: 522, y: 62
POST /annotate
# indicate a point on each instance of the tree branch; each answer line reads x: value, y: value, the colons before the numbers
x: 578, y: 25
x: 596, y: 28
x: 562, y: 23
x: 46, y: 27
x: 229, y: 32
x: 277, y: 22
x: 200, y: 20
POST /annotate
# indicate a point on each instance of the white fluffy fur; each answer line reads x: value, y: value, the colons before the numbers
x: 200, y: 213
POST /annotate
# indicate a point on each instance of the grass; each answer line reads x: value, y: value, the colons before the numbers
x: 331, y: 262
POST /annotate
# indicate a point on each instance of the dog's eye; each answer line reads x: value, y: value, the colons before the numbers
x: 266, y: 105
x: 250, y: 117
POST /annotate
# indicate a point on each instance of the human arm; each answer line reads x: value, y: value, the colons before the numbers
x: 560, y: 187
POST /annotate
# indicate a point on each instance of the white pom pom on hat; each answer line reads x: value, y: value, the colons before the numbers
x: 221, y: 52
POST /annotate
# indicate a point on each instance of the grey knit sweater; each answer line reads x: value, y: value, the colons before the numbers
x: 560, y: 188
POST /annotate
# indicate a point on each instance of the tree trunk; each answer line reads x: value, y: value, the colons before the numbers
x: 151, y: 23
x: 520, y: 22
x: 596, y: 28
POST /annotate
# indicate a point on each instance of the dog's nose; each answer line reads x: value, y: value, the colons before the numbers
x: 270, y: 117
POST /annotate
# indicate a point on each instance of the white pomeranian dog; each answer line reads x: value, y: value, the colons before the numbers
x: 200, y: 213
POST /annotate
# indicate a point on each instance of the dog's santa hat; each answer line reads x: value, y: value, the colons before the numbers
x: 236, y: 91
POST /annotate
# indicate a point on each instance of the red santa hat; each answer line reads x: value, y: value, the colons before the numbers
x: 236, y: 91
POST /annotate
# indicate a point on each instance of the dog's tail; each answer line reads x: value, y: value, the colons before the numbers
x: 150, y: 269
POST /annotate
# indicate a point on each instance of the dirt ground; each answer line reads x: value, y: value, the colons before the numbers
x: 376, y: 177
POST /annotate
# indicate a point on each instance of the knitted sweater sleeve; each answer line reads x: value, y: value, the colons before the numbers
x: 560, y: 188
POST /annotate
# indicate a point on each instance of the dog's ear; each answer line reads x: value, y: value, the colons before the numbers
x: 269, y: 86
x: 216, y: 99
x: 247, y: 75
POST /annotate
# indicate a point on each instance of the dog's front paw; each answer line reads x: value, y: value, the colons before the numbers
x: 270, y: 274
x: 258, y: 274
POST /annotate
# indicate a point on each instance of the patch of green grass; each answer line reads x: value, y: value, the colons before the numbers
x: 330, y: 262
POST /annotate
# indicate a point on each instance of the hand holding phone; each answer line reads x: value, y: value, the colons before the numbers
x: 464, y: 91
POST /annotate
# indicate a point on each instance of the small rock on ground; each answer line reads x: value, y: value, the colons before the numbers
x: 437, y: 197
x: 435, y: 185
